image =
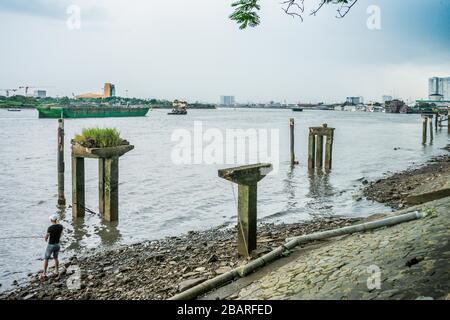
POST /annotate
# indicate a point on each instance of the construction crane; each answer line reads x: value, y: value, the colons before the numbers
x: 30, y: 87
x: 8, y: 91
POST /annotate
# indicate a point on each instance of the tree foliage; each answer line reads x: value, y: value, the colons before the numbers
x: 246, y: 12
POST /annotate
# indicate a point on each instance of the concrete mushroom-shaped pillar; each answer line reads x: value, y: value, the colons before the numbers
x: 108, y: 159
x: 247, y: 178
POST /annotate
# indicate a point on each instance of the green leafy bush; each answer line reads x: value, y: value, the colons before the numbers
x: 99, y: 138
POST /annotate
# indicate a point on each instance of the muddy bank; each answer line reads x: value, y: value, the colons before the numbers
x: 395, y: 189
x: 160, y: 269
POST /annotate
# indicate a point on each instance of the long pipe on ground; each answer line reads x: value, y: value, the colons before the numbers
x: 218, y: 281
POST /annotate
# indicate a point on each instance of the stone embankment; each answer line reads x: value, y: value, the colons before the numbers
x: 406, y: 261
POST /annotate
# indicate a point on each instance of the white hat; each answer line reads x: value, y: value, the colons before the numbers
x: 53, y: 217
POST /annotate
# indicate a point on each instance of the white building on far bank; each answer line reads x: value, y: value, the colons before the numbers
x: 439, y: 89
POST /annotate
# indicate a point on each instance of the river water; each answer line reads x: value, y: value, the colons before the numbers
x: 159, y: 198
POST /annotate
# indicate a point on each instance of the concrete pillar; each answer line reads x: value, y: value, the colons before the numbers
x: 247, y: 178
x: 430, y: 119
x: 291, y: 128
x: 311, y: 150
x: 111, y: 189
x: 61, y: 167
x: 424, y: 130
x: 329, y: 151
x: 101, y: 185
x: 319, y: 151
x: 247, y: 215
x: 78, y: 202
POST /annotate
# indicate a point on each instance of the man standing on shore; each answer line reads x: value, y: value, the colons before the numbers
x: 53, y: 237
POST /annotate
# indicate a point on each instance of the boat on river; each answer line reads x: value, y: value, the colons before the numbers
x: 297, y: 109
x: 179, y: 108
x: 14, y: 109
x: 91, y: 111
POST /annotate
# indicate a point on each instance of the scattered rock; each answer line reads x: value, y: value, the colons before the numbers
x: 223, y: 270
x: 152, y: 269
x: 200, y: 269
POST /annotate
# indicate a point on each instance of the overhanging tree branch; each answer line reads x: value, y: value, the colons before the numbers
x: 246, y: 11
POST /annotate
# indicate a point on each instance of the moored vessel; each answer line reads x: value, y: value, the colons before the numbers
x: 91, y: 111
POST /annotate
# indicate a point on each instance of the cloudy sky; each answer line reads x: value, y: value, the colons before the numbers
x: 189, y: 49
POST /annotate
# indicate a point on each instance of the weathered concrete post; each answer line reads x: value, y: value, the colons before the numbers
x: 60, y: 159
x: 247, y: 178
x: 77, y: 187
x: 108, y: 172
x: 329, y: 150
x: 311, y: 149
x: 436, y: 121
x: 424, y: 130
x: 315, y: 151
x: 101, y: 185
x: 319, y: 151
x: 291, y: 127
x: 430, y: 119
x: 111, y: 189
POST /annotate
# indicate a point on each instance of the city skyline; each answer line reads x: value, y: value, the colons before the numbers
x: 141, y: 49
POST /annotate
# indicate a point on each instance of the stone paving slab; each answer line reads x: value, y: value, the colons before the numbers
x: 410, y: 260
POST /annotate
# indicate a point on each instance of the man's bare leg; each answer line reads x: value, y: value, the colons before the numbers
x: 56, y: 272
x: 44, y: 273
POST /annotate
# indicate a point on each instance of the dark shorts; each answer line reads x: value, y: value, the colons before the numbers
x: 52, y: 249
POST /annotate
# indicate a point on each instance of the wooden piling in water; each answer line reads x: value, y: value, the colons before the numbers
x: 61, y: 166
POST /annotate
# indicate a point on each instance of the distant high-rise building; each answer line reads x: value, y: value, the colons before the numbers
x: 109, y: 90
x: 355, y: 100
x: 40, y: 93
x: 387, y: 99
x: 227, y: 100
x: 439, y: 88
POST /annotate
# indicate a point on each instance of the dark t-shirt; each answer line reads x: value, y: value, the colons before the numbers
x: 55, y: 231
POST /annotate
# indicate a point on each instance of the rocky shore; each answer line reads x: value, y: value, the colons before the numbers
x: 395, y: 190
x: 160, y: 269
